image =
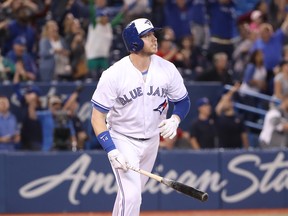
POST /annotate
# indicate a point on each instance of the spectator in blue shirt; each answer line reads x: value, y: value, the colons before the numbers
x: 58, y: 130
x: 222, y: 24
x: 271, y: 43
x: 178, y: 17
x: 24, y: 63
x: 9, y: 133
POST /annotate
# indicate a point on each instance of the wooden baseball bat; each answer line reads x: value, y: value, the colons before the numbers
x: 180, y: 187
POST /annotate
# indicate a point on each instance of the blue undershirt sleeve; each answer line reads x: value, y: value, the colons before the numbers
x: 182, y: 108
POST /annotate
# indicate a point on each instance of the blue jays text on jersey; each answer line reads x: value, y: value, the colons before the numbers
x: 137, y: 92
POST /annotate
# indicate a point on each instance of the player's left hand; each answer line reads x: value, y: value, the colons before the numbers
x: 168, y: 127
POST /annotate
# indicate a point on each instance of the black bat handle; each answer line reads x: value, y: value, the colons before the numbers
x: 190, y: 191
x: 185, y: 189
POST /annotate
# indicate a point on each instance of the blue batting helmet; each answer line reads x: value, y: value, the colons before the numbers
x: 134, y: 31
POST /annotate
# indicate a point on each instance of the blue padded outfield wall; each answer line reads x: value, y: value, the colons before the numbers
x: 83, y: 182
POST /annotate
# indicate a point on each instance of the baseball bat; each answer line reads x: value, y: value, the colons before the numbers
x: 180, y: 187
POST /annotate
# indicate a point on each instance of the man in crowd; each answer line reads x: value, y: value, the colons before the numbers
x: 203, y: 131
x: 9, y: 133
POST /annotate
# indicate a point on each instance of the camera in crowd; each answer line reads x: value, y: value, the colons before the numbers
x: 62, y: 132
x: 61, y: 118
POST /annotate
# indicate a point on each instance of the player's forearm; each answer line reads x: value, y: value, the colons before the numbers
x: 101, y: 130
x: 98, y: 121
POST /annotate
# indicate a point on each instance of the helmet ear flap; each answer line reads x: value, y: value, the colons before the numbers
x: 137, y: 46
x: 131, y: 39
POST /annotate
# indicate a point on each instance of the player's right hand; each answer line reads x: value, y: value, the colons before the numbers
x: 117, y: 160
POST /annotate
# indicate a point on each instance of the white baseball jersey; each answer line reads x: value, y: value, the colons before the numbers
x: 135, y: 107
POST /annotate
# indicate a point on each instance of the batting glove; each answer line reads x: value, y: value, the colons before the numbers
x: 168, y: 127
x: 117, y: 160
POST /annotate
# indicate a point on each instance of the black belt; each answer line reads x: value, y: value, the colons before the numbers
x: 139, y: 139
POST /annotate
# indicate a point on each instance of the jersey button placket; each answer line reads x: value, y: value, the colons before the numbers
x: 145, y: 107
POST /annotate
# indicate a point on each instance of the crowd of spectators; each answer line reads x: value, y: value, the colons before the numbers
x: 228, y: 41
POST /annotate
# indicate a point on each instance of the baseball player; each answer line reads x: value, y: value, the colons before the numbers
x: 129, y: 111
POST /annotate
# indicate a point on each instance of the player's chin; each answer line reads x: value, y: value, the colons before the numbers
x: 154, y: 50
x: 150, y: 51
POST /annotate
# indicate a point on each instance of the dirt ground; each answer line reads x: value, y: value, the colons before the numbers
x: 254, y: 212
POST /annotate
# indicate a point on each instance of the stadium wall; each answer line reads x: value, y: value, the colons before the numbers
x: 37, y: 182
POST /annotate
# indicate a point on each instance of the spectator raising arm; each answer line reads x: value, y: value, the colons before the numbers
x: 284, y: 26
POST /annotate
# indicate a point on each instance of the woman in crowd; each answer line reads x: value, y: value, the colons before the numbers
x: 53, y: 54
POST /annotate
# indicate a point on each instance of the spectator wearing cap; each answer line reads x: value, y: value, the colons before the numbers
x: 9, y: 132
x: 26, y: 93
x: 58, y: 130
x: 203, y: 132
x: 230, y: 125
x: 31, y: 131
x: 281, y: 81
x: 256, y: 21
x: 25, y: 66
